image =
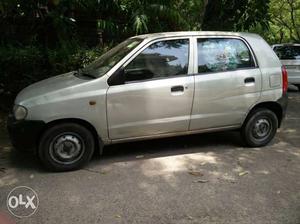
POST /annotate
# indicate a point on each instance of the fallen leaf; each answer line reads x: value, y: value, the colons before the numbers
x: 278, y: 192
x: 118, y: 216
x: 196, y: 173
x: 201, y: 181
x: 243, y: 173
x: 190, y: 217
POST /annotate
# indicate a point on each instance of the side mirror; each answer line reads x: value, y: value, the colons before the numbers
x: 118, y: 78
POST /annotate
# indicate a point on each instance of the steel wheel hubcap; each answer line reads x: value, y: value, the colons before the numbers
x: 262, y: 128
x: 66, y: 148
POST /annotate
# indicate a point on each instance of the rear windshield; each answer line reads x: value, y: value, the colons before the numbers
x: 288, y: 52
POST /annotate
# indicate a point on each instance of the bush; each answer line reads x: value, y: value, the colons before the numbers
x: 19, y: 66
x: 22, y: 66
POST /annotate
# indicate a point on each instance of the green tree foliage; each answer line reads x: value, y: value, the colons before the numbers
x: 27, y: 21
x: 56, y: 22
x: 235, y: 14
x: 42, y: 38
x: 285, y: 21
x: 132, y: 17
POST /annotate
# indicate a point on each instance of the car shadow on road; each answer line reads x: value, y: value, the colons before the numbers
x: 209, y: 142
x: 221, y: 141
x: 20, y: 160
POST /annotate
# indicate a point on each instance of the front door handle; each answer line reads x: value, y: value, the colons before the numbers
x: 249, y: 80
x: 177, y: 89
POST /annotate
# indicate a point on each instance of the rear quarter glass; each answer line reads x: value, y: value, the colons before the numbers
x: 264, y: 54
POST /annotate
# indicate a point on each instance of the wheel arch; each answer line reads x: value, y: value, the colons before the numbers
x: 273, y: 106
x: 98, y: 141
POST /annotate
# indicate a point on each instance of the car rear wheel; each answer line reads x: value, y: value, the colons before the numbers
x: 66, y: 146
x: 260, y: 127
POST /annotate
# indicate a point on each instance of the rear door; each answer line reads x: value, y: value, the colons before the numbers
x: 227, y: 82
x: 157, y: 95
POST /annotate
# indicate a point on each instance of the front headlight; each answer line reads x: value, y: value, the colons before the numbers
x: 20, y: 112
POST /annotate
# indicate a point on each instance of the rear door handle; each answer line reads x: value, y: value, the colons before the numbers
x: 177, y: 89
x: 249, y: 80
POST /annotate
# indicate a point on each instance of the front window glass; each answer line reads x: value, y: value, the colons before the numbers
x: 223, y: 54
x: 108, y: 60
x: 288, y: 52
x: 162, y: 59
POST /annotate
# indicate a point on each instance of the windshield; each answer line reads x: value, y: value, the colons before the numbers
x: 288, y: 52
x: 104, y: 63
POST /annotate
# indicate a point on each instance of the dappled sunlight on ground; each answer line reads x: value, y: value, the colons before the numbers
x: 287, y: 130
x: 158, y: 166
x: 7, y: 180
x: 168, y: 167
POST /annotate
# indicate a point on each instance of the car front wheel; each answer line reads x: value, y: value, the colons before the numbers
x: 66, y: 146
x: 260, y: 127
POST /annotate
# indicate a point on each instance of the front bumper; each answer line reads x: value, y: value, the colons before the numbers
x: 24, y: 134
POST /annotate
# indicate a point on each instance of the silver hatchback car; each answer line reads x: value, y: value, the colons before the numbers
x: 152, y: 86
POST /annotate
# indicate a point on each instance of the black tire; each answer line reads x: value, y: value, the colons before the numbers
x: 298, y: 86
x: 260, y: 127
x: 63, y: 140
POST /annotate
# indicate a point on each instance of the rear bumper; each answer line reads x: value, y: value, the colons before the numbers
x: 283, y: 102
x: 24, y: 134
x: 293, y: 76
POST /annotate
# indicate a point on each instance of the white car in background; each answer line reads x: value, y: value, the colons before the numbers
x: 289, y: 54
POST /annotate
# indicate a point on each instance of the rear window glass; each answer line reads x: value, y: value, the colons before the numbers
x: 223, y: 54
x: 288, y: 52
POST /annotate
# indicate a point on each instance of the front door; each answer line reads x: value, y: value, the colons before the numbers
x: 157, y: 95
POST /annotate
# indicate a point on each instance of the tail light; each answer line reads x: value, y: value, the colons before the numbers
x: 284, y: 79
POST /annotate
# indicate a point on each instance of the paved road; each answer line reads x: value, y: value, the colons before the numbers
x: 160, y: 181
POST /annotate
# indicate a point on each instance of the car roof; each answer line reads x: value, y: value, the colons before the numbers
x: 194, y: 33
x: 285, y: 44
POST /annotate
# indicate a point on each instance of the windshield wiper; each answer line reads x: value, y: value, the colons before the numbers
x: 82, y: 73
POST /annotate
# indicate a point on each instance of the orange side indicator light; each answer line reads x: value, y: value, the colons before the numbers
x: 92, y: 102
